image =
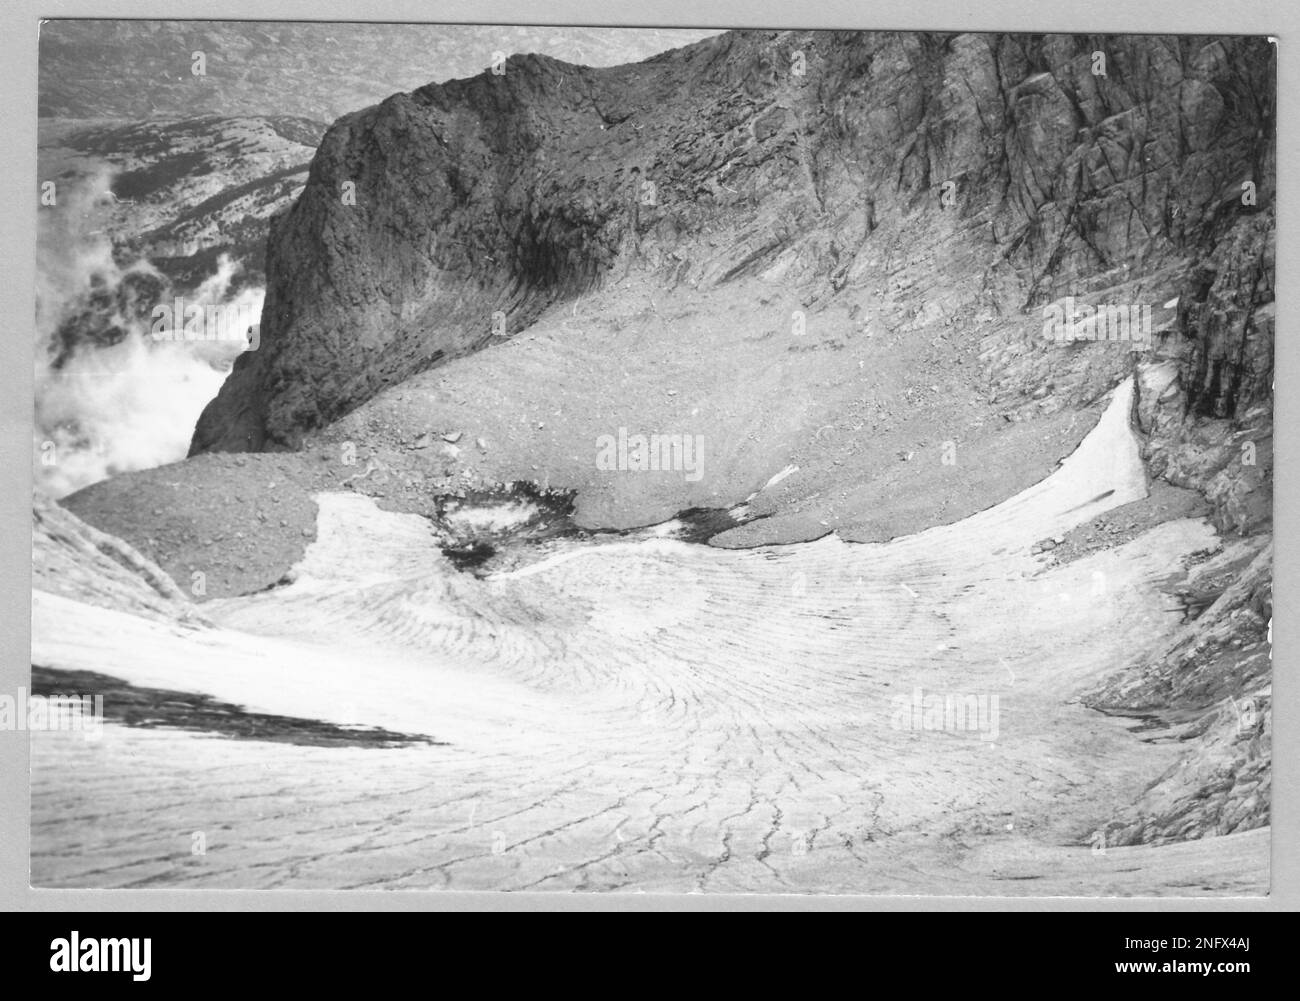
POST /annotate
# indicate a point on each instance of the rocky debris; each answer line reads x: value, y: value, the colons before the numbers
x: 1223, y: 785
x: 1229, y: 461
x: 1223, y: 651
x: 241, y: 522
x: 1125, y: 523
x: 1211, y: 689
x: 225, y: 529
x: 73, y: 559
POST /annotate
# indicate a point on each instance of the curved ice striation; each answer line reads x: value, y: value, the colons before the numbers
x: 828, y: 716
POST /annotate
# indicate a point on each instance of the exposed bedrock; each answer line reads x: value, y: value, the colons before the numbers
x: 898, y: 182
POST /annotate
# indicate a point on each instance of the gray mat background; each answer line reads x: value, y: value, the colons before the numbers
x: 20, y: 20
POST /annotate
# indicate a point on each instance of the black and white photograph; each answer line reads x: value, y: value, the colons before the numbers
x: 676, y: 461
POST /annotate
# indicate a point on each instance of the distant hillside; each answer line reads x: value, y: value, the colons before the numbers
x: 183, y: 193
x: 143, y: 69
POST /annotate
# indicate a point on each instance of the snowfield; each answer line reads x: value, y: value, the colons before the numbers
x: 650, y: 716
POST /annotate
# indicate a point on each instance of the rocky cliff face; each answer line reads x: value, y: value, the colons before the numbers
x: 1001, y: 171
x: 134, y: 216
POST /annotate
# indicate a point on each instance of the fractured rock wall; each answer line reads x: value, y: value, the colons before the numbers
x: 974, y: 176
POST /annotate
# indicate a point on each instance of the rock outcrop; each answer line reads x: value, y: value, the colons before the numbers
x: 76, y: 560
x: 1211, y: 690
x: 999, y: 172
